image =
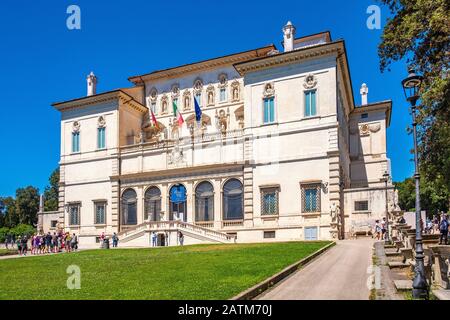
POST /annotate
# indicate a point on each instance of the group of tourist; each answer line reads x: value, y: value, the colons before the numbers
x: 439, y: 224
x: 44, y: 243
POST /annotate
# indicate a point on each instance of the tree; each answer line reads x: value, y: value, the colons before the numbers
x: 406, y: 194
x: 27, y: 205
x: 419, y: 32
x: 433, y: 195
x: 51, y: 192
x: 8, y: 208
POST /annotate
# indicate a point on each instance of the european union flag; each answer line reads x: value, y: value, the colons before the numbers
x: 198, y: 111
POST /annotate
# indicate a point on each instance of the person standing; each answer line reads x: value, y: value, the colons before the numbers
x: 8, y: 240
x: 24, y: 245
x: 443, y: 228
x: 154, y: 239
x: 181, y: 238
x: 19, y: 245
x: 115, y: 240
x: 74, y: 242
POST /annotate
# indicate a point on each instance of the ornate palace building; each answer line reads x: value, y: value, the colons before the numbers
x: 279, y: 152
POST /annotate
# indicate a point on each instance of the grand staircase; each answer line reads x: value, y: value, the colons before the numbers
x: 201, y: 234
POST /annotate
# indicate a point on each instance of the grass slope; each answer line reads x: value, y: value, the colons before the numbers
x: 190, y: 272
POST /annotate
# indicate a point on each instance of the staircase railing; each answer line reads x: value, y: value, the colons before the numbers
x: 174, y: 225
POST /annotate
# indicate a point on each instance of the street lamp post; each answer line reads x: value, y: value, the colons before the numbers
x: 411, y: 87
x: 386, y: 179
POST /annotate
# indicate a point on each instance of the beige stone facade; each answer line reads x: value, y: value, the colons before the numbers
x: 281, y: 152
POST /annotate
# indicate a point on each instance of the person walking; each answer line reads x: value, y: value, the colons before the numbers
x: 115, y: 240
x: 383, y: 228
x: 443, y: 228
x: 377, y: 230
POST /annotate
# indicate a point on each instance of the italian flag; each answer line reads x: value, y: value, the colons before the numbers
x: 177, y: 114
x: 153, y: 118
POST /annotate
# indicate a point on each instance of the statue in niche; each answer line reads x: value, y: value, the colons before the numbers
x: 210, y: 98
x: 222, y: 121
x: 334, y: 212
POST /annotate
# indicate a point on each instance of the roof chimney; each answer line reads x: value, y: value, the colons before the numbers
x: 364, y: 92
x: 288, y: 37
x: 91, y: 84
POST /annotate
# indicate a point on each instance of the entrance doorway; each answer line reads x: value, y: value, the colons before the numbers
x: 177, y: 210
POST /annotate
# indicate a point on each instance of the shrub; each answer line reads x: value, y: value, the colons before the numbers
x: 23, y: 230
x: 3, y: 232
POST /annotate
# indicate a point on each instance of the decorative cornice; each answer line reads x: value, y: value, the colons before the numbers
x: 203, y: 65
x: 288, y: 57
x: 179, y: 171
x: 116, y: 95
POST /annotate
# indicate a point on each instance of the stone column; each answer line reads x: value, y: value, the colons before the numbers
x: 61, y: 197
x: 248, y: 196
x: 217, y: 204
x: 190, y: 203
x: 164, y: 205
x: 140, y: 204
x: 334, y: 192
x: 115, y: 196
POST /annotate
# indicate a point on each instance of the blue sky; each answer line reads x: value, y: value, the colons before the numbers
x: 41, y: 61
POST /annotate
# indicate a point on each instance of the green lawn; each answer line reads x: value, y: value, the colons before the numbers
x: 190, y: 272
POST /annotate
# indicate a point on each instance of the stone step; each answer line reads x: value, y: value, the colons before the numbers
x: 442, y: 294
x: 389, y: 246
x: 403, y: 285
x: 398, y: 265
x: 393, y: 254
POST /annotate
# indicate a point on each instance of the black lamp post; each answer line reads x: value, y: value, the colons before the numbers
x: 386, y: 176
x: 411, y: 86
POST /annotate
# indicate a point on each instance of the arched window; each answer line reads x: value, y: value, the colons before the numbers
x: 178, y: 205
x: 204, y: 202
x: 152, y: 204
x: 233, y: 204
x: 129, y: 207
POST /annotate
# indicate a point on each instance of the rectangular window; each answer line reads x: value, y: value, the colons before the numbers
x: 53, y: 224
x: 310, y: 103
x: 269, y: 110
x: 269, y: 234
x: 74, y: 214
x: 75, y: 142
x: 269, y: 201
x: 101, y: 142
x: 311, y: 198
x: 198, y: 97
x: 223, y: 94
x: 311, y: 233
x: 100, y: 212
x: 362, y: 205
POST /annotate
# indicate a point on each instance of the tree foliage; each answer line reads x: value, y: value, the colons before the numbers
x: 433, y: 195
x: 27, y: 205
x: 51, y: 192
x: 23, y: 209
x: 418, y: 32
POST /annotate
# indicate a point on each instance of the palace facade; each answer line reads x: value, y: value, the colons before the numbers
x: 281, y: 151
